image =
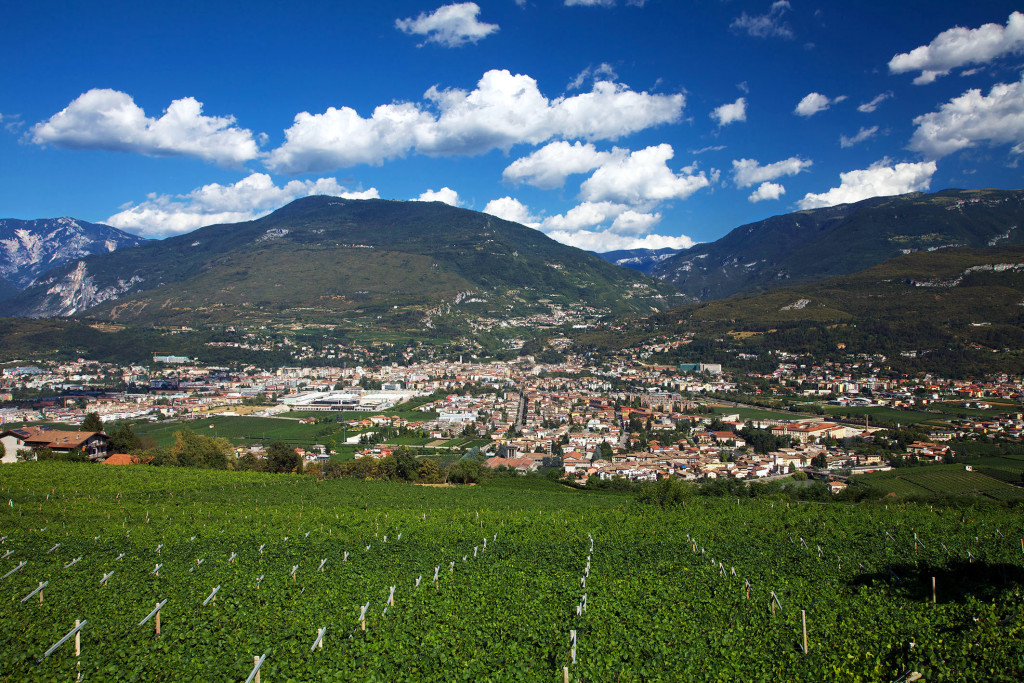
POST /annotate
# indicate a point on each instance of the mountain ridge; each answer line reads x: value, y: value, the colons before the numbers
x: 816, y: 244
x: 319, y: 257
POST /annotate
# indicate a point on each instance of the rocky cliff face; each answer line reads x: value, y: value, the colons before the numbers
x: 76, y: 292
x: 28, y: 249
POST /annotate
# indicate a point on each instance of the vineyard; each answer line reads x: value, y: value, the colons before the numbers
x: 510, y: 580
x: 951, y: 480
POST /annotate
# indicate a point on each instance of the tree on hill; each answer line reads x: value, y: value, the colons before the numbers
x: 282, y: 458
x: 195, y: 450
x: 123, y: 438
x: 429, y: 471
x: 400, y: 465
x: 465, y: 472
x: 92, y: 423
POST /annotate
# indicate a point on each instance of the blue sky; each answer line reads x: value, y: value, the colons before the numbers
x: 605, y: 123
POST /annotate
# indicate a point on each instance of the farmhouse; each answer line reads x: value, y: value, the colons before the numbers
x: 92, y: 444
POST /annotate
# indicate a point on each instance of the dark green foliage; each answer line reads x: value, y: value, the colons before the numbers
x: 196, y: 450
x: 400, y: 465
x: 283, y: 458
x: 65, y: 339
x: 122, y: 438
x: 667, y: 493
x: 764, y: 441
x: 465, y: 472
x: 92, y: 423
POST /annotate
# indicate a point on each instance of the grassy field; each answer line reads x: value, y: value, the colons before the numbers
x: 405, y: 410
x: 243, y: 430
x: 956, y: 408
x: 754, y: 413
x: 893, y: 415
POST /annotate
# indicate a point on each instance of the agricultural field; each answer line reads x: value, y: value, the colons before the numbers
x: 1005, y: 468
x: 243, y: 430
x: 942, y: 480
x: 510, y: 580
x: 753, y: 413
x: 891, y: 415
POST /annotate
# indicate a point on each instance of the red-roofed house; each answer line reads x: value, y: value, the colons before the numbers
x: 92, y: 444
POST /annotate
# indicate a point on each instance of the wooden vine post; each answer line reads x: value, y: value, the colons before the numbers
x: 362, y: 616
x: 803, y: 619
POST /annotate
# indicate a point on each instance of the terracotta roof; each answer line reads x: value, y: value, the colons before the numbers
x: 40, y: 437
x: 122, y: 459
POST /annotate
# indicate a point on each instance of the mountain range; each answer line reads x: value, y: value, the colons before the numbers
x: 643, y: 260
x: 319, y: 259
x: 816, y: 244
x: 31, y: 248
x: 413, y: 265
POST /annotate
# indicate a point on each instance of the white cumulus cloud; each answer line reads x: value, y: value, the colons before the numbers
x: 766, y: 191
x: 503, y: 110
x: 449, y: 25
x: 601, y: 241
x: 254, y: 196
x: 862, y: 135
x: 445, y: 194
x: 730, y: 113
x: 971, y: 118
x: 879, y: 180
x: 607, y: 226
x: 513, y: 210
x: 642, y: 176
x: 110, y: 120
x: 814, y: 102
x: 631, y: 222
x: 768, y: 25
x: 960, y: 46
x: 584, y: 215
x: 747, y: 172
x: 549, y: 166
x: 595, y: 226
